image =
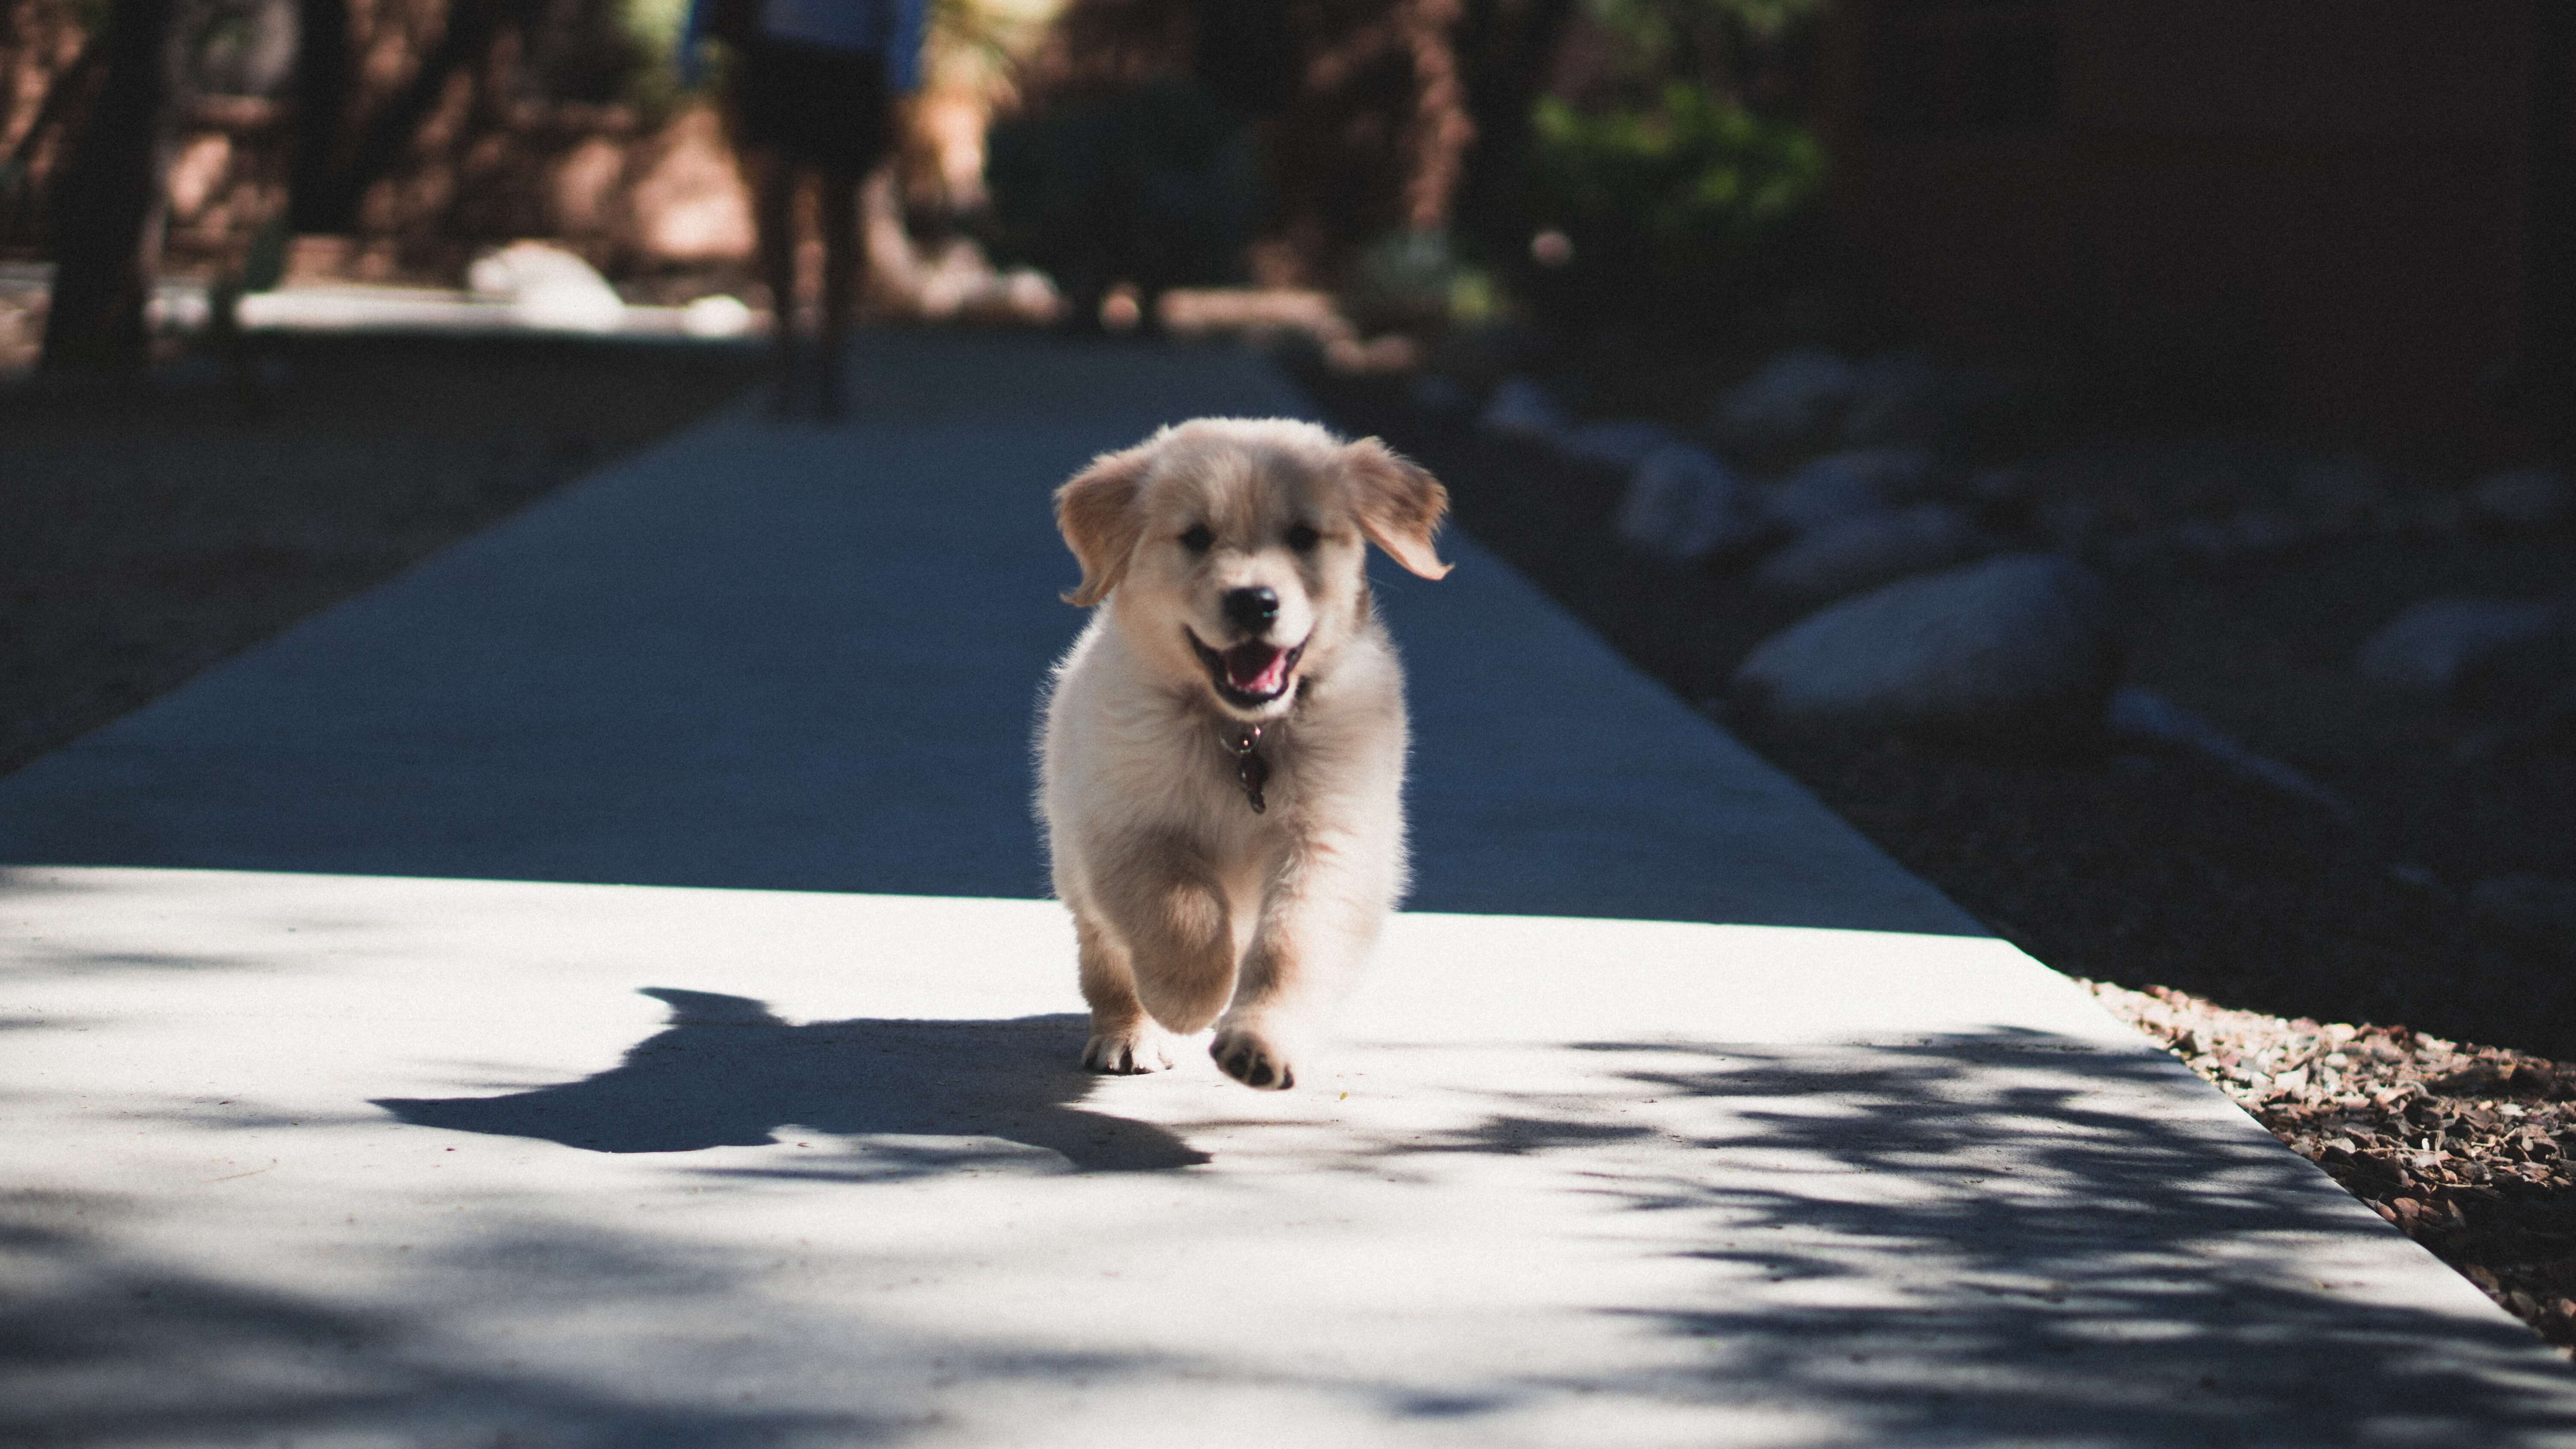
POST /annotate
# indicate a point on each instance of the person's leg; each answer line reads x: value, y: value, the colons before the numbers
x: 845, y: 260
x: 774, y: 218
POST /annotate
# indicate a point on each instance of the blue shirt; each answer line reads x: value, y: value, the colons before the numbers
x: 892, y: 28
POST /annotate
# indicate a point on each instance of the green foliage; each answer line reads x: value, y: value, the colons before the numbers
x: 653, y: 27
x: 264, y: 263
x: 1682, y: 203
x: 643, y: 46
x: 1156, y: 185
x: 1658, y: 25
x: 1750, y: 50
x: 979, y: 44
x: 1415, y: 281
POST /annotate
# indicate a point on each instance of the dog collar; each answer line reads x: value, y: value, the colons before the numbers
x: 1250, y: 770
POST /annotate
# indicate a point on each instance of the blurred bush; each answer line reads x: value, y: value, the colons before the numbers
x: 1155, y: 185
x: 650, y: 34
x: 1687, y: 205
x: 1416, y: 282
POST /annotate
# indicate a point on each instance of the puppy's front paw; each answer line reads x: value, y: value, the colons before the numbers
x: 1128, y: 1052
x: 1253, y: 1058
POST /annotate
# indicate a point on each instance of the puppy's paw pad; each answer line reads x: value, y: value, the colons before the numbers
x: 1127, y: 1053
x: 1252, y: 1059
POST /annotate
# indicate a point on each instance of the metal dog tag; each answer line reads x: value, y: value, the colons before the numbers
x: 1250, y: 770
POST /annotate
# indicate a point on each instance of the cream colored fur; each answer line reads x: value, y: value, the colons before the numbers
x: 1192, y: 910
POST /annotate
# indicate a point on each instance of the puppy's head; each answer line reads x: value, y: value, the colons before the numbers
x: 1230, y: 551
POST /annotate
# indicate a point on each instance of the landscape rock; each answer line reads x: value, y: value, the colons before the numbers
x: 546, y: 286
x: 2522, y: 675
x: 1897, y: 397
x: 1434, y: 393
x: 1684, y: 503
x: 2343, y: 492
x: 2072, y: 524
x: 2525, y: 913
x: 2002, y: 488
x: 2247, y: 535
x: 2020, y: 648
x: 1843, y: 485
x: 2434, y: 514
x: 2524, y: 499
x: 1793, y: 402
x: 2434, y: 643
x: 1869, y: 549
x: 1522, y: 407
x: 2548, y: 723
x: 955, y: 282
x: 1620, y: 443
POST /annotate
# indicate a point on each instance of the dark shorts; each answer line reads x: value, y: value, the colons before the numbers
x: 826, y: 108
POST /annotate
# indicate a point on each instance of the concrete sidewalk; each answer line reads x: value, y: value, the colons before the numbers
x: 571, y: 995
x: 806, y: 660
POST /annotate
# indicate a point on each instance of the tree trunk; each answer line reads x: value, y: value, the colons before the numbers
x: 315, y: 201
x: 106, y: 208
x: 338, y: 155
x: 66, y: 96
x: 1505, y: 48
x: 2549, y: 208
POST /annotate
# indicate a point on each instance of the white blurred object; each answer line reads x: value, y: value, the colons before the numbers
x: 177, y: 308
x: 1029, y: 295
x: 949, y: 282
x: 547, y: 287
x: 717, y: 316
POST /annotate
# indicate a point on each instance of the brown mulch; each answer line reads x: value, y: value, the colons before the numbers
x: 2466, y: 1148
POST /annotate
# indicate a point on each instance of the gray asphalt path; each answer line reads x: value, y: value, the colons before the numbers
x: 592, y: 991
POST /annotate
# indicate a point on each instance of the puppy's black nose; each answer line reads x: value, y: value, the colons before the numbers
x: 1252, y: 610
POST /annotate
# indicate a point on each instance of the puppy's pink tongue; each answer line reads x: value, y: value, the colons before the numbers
x: 1256, y: 668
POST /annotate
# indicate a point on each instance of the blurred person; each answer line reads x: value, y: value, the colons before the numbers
x: 811, y: 97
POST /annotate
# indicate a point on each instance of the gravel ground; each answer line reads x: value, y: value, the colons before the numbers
x: 2171, y: 881
x: 2466, y: 1148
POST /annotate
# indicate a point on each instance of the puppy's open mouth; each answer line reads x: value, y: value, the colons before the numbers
x: 1251, y: 674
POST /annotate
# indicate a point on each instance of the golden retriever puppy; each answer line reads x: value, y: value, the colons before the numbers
x: 1222, y: 754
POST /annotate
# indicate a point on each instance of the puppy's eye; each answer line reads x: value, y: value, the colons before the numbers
x: 1198, y: 539
x: 1303, y: 538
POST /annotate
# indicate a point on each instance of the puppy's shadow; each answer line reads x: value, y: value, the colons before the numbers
x: 727, y: 1073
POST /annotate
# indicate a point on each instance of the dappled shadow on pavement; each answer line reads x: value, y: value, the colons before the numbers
x: 1999, y: 1238
x: 727, y: 1073
x: 102, y: 1345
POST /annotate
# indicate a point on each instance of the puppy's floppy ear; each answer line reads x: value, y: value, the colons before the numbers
x: 1399, y: 505
x: 1096, y: 513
